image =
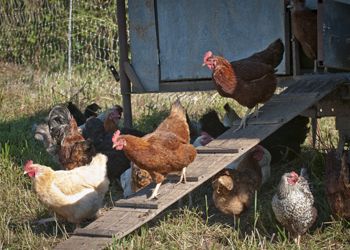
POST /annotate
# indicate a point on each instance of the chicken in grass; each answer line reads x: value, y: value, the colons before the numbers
x: 234, y: 189
x: 293, y: 205
x: 75, y: 194
x: 249, y: 81
x: 165, y: 150
x: 337, y: 182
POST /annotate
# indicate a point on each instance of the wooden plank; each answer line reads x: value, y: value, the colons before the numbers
x: 133, y: 77
x: 83, y: 242
x: 144, y: 43
x: 121, y: 221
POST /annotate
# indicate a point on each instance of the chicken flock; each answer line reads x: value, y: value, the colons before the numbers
x: 94, y: 150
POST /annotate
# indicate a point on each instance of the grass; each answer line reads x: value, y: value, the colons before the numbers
x: 27, y: 95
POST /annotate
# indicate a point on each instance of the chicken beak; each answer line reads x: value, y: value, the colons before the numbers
x: 25, y: 172
x: 203, y: 64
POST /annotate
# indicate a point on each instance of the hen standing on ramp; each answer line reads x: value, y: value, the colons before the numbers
x: 249, y: 81
x: 165, y: 150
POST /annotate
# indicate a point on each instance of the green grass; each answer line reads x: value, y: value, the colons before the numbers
x: 27, y: 95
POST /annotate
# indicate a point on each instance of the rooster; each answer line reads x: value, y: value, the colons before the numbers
x: 249, y: 81
x: 337, y: 182
x: 165, y: 150
x: 304, y: 28
x: 293, y: 205
x: 234, y: 189
x: 74, y: 194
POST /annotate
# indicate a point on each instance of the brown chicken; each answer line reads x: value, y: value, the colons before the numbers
x: 337, y: 180
x: 73, y: 150
x: 249, y: 81
x: 304, y: 28
x: 74, y: 194
x: 234, y: 189
x: 165, y: 150
x: 293, y: 205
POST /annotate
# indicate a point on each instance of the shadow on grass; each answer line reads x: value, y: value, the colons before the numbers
x: 17, y: 141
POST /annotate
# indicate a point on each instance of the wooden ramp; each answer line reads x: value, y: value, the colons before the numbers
x: 129, y: 214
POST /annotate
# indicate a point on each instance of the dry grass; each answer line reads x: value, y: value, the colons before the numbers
x: 25, y: 98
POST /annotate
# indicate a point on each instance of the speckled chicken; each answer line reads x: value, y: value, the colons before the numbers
x: 337, y: 182
x: 234, y: 189
x: 249, y: 81
x: 293, y: 205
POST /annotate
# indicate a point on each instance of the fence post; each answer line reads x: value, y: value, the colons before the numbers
x: 123, y: 57
x: 70, y: 41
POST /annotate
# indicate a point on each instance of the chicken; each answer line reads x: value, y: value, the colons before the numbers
x: 165, y: 150
x: 91, y: 110
x: 283, y: 144
x: 117, y: 162
x: 73, y: 150
x: 74, y: 194
x: 293, y: 205
x: 203, y: 139
x: 211, y: 124
x: 112, y: 119
x: 76, y: 113
x: 230, y: 116
x: 249, y: 81
x: 304, y: 28
x: 134, y: 179
x: 194, y: 129
x: 234, y: 189
x: 42, y: 134
x: 337, y: 182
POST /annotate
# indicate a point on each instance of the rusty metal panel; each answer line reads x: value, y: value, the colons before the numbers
x: 143, y: 37
x: 233, y: 28
x: 336, y: 34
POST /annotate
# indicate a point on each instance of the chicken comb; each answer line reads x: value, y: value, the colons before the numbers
x: 294, y: 174
x: 207, y: 55
x: 115, y: 136
x: 28, y: 164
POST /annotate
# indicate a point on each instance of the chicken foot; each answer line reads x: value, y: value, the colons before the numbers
x: 243, y: 121
x: 155, y: 192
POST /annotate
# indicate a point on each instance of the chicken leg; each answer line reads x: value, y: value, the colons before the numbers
x: 243, y: 121
x: 297, y: 240
x: 155, y: 192
x: 183, y: 176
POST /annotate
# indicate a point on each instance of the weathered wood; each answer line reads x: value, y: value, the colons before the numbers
x: 207, y: 150
x: 120, y: 221
x: 133, y: 77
